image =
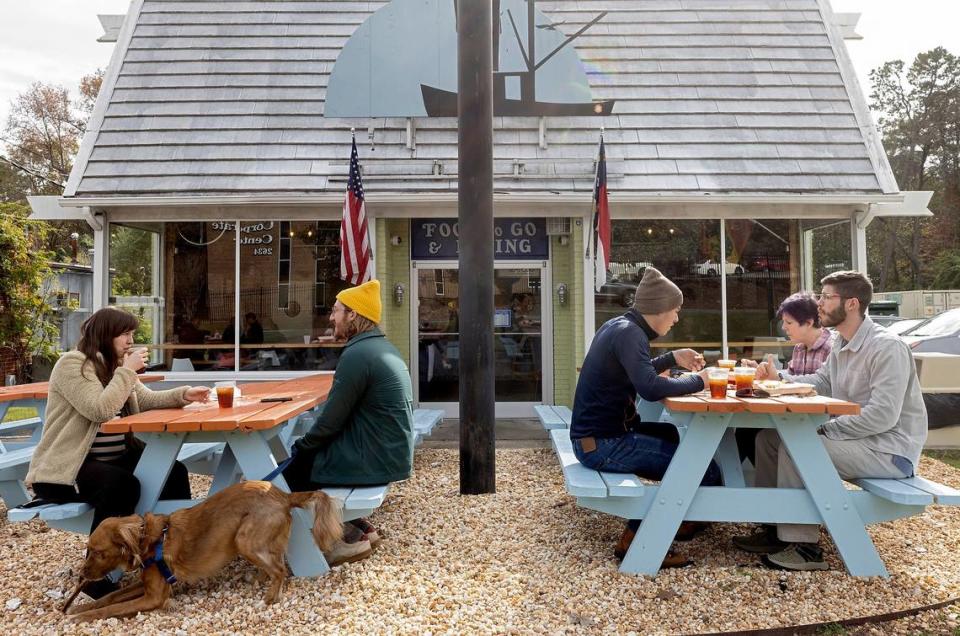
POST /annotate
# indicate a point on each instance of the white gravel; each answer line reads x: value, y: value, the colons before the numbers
x: 525, y: 560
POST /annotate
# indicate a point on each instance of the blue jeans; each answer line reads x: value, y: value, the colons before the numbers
x: 645, y: 451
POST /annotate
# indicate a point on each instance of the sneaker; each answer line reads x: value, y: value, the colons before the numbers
x: 763, y: 541
x: 800, y: 557
x: 343, y: 552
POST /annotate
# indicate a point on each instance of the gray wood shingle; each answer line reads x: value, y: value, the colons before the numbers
x: 218, y: 96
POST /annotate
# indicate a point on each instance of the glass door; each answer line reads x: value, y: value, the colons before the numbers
x: 521, y: 364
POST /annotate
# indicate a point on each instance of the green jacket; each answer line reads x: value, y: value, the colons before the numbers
x: 364, y: 433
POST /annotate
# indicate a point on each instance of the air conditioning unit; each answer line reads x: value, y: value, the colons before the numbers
x: 558, y: 227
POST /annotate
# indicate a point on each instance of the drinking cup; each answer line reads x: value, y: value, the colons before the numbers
x: 306, y: 339
x: 744, y: 379
x: 727, y: 364
x: 718, y: 382
x: 225, y: 392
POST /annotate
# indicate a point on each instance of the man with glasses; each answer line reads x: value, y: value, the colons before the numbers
x: 870, y: 366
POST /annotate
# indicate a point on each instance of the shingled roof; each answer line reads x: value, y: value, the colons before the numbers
x: 712, y: 96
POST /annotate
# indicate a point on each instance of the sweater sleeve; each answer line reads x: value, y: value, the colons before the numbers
x: 633, y: 352
x: 149, y: 399
x: 664, y: 362
x: 82, y: 389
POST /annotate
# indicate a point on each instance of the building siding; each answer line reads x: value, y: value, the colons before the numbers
x: 221, y: 97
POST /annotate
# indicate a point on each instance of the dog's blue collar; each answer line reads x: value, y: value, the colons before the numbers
x: 157, y: 559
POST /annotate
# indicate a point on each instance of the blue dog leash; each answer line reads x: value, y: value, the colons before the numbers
x: 279, y: 469
x: 157, y: 559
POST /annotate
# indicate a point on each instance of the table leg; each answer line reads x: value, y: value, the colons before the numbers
x: 154, y: 467
x: 42, y: 414
x: 253, y: 454
x: 839, y: 514
x: 675, y: 493
x: 13, y: 492
x: 227, y: 472
x: 728, y: 458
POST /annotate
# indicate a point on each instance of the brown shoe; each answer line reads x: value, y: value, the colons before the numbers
x: 690, y: 530
x: 623, y: 544
x: 672, y: 560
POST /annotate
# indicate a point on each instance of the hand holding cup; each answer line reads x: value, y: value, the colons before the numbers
x: 136, y: 359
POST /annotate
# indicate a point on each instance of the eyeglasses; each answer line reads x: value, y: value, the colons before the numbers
x: 819, y: 298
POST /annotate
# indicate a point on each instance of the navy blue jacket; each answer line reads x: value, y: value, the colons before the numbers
x: 616, y: 370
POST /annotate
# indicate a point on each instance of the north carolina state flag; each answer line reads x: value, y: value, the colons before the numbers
x: 601, y: 222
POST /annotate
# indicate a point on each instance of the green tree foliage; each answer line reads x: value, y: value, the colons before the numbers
x: 947, y: 268
x: 29, y: 325
x: 919, y: 116
x: 130, y: 261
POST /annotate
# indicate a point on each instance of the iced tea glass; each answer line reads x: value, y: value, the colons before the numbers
x: 225, y: 392
x: 727, y: 364
x: 718, y: 382
x: 744, y: 378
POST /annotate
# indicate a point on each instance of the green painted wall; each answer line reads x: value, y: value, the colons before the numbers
x: 567, y: 267
x: 393, y: 266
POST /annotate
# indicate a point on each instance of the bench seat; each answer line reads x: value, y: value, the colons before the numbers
x: 424, y: 421
x: 553, y: 417
x: 911, y: 491
x: 585, y: 482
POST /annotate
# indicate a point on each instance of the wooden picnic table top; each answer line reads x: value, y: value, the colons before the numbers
x: 248, y: 412
x: 702, y: 403
x: 39, y: 390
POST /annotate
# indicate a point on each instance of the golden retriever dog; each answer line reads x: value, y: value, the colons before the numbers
x: 251, y: 519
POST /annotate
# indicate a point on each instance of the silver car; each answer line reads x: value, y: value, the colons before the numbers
x: 939, y: 334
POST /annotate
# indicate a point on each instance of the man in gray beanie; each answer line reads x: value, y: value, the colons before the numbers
x: 605, y: 430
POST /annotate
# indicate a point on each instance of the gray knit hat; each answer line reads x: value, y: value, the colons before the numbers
x: 656, y: 293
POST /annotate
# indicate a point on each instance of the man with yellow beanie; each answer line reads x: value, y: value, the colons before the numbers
x: 364, y: 434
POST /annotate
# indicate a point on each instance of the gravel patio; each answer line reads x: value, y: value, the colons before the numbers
x: 525, y: 560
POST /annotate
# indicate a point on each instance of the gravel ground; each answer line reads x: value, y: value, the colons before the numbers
x: 524, y: 560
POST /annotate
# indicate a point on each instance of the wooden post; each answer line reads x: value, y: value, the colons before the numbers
x: 475, y: 212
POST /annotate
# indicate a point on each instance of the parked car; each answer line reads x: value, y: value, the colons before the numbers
x: 712, y: 268
x: 939, y: 334
x: 619, y: 290
x: 766, y: 263
x: 904, y: 326
x: 885, y: 321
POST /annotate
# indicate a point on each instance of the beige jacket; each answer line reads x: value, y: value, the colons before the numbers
x: 76, y: 406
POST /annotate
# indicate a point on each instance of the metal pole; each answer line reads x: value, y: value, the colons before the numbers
x: 475, y: 208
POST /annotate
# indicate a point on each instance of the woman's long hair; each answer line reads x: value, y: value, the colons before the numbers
x: 96, y: 339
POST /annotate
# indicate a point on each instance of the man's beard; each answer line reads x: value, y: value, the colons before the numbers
x: 341, y: 331
x: 833, y: 318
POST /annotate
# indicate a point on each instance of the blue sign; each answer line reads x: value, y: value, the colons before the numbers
x: 513, y: 239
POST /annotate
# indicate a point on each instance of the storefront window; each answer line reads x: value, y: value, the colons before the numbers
x: 687, y: 252
x: 289, y: 279
x: 768, y: 253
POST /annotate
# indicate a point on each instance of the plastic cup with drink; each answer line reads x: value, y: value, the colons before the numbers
x: 226, y: 391
x: 717, y: 377
x: 744, y: 377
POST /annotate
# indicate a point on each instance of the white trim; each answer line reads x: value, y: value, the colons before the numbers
x: 861, y: 110
x: 202, y: 377
x: 858, y: 245
x: 723, y: 290
x: 101, y: 269
x: 589, y: 299
x: 389, y: 200
x: 103, y: 99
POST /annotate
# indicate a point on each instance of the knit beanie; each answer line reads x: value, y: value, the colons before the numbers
x: 363, y: 299
x: 656, y: 293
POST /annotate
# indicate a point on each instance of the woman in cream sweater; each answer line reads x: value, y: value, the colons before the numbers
x: 74, y: 461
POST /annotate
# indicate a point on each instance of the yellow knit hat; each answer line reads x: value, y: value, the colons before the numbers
x: 363, y: 299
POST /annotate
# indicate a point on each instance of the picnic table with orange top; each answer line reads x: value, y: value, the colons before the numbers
x: 707, y: 429
x: 33, y: 395
x: 253, y: 448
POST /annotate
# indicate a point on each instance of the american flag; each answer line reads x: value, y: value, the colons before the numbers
x: 601, y: 222
x: 355, y: 252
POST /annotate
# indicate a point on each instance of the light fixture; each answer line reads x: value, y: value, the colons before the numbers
x: 671, y: 230
x: 398, y: 294
x: 562, y: 293
x: 564, y: 239
x: 649, y: 231
x: 395, y: 239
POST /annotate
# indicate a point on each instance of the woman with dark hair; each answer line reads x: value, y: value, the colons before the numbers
x: 801, y: 323
x: 74, y: 460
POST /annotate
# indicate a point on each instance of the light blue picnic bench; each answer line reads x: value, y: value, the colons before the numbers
x: 709, y: 432
x: 556, y: 416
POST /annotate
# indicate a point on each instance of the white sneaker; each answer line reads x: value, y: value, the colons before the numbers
x: 343, y: 552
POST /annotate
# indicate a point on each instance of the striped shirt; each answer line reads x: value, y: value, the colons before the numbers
x: 806, y: 360
x: 108, y: 447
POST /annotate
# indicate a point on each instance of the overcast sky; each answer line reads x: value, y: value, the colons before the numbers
x: 54, y: 41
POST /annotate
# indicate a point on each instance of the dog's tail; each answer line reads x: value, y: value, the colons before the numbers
x: 327, y: 524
